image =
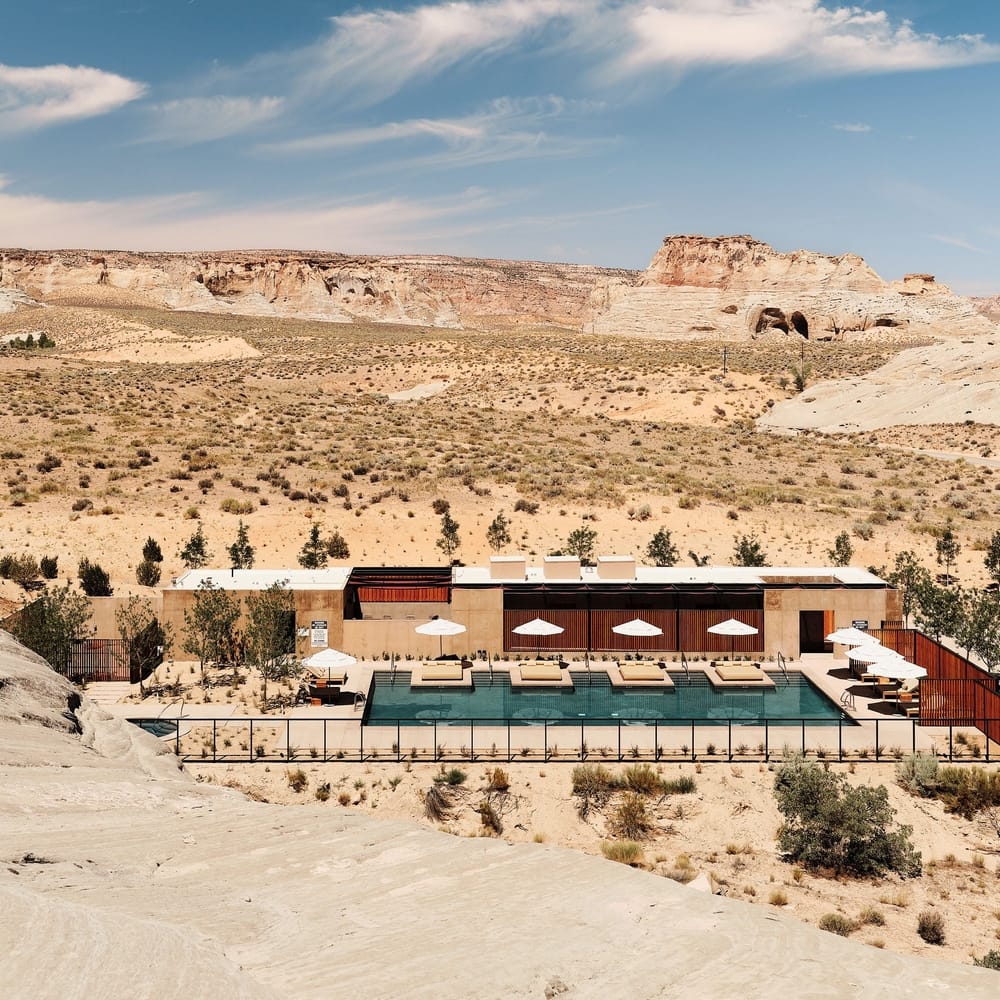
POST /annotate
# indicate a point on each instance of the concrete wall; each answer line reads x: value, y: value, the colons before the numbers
x: 782, y: 607
x: 102, y: 620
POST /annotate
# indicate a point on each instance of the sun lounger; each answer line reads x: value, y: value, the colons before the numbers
x: 540, y: 672
x: 442, y: 670
x: 738, y: 671
x: 640, y: 671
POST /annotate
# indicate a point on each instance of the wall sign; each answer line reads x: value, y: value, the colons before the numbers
x: 318, y: 633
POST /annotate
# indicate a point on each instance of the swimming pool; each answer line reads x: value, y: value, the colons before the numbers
x: 158, y: 727
x: 592, y: 698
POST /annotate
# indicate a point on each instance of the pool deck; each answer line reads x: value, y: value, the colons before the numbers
x: 337, y: 729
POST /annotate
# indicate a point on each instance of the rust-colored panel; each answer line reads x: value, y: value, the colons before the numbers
x: 694, y: 634
x: 573, y: 637
x: 403, y: 594
x: 603, y: 639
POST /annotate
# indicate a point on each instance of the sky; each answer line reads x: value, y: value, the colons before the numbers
x: 567, y: 130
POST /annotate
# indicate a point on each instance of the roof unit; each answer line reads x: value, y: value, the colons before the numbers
x: 508, y: 567
x: 616, y: 567
x: 561, y: 568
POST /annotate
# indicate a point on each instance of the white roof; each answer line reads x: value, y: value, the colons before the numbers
x: 680, y: 575
x: 332, y: 578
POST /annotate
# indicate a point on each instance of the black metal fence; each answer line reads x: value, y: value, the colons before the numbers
x: 325, y: 739
x: 100, y: 660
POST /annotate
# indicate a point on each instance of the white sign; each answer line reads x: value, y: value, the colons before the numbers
x: 318, y: 633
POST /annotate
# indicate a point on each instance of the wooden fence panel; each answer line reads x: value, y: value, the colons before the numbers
x: 573, y: 621
x: 603, y: 639
x: 695, y: 637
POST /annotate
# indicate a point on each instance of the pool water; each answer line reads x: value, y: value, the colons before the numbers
x: 592, y: 697
x: 158, y: 727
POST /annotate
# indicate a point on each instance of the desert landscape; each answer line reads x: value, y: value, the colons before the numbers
x: 727, y: 391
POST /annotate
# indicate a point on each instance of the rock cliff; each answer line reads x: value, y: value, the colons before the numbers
x: 428, y: 291
x: 735, y: 287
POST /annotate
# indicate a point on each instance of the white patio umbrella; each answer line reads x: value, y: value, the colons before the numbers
x: 872, y: 652
x: 328, y: 659
x: 900, y: 670
x: 637, y: 627
x: 732, y: 627
x: 538, y: 626
x: 440, y: 627
x: 849, y: 636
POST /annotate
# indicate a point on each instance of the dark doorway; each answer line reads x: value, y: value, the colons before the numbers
x: 799, y: 324
x: 811, y: 633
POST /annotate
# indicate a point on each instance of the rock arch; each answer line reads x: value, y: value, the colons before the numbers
x: 799, y: 324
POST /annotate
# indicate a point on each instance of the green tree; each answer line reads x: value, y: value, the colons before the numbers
x: 830, y: 824
x: 313, y: 554
x: 498, y: 533
x: 747, y: 551
x: 241, y: 552
x: 270, y: 632
x: 337, y: 547
x: 195, y: 553
x: 661, y: 550
x: 147, y: 642
x: 697, y: 559
x: 147, y: 573
x: 580, y: 543
x: 908, y: 576
x: 151, y: 551
x: 947, y: 548
x: 938, y: 609
x: 992, y: 558
x: 449, y: 541
x: 209, y: 624
x: 977, y: 628
x: 49, y: 565
x: 842, y: 551
x: 51, y: 623
x: 94, y: 579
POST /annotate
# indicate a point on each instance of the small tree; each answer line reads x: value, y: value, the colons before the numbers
x: 747, y: 551
x: 49, y: 565
x: 151, y: 551
x: 313, y: 554
x: 842, y: 551
x: 147, y: 573
x: 831, y: 824
x: 661, y: 550
x: 580, y: 543
x: 209, y: 625
x: 270, y: 632
x: 992, y: 558
x: 51, y: 623
x: 908, y: 576
x: 449, y: 541
x: 145, y: 639
x: 697, y: 559
x: 337, y: 547
x: 498, y: 533
x: 938, y: 609
x: 195, y: 553
x: 22, y: 569
x: 978, y: 625
x: 947, y: 548
x: 241, y: 552
x: 94, y: 580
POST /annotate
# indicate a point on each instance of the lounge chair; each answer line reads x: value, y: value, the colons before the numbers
x: 640, y: 671
x: 442, y: 670
x: 739, y: 671
x: 540, y: 672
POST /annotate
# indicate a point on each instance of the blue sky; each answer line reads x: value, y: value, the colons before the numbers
x: 576, y: 130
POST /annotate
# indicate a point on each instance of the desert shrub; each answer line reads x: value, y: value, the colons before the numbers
x: 232, y: 505
x: 489, y: 817
x: 930, y: 926
x: 630, y: 819
x: 438, y: 803
x: 778, y: 897
x: 497, y: 780
x: 874, y: 918
x: 918, y: 774
x: 49, y: 565
x: 837, y: 923
x: 337, y: 547
x: 440, y: 506
x: 22, y: 569
x: 593, y: 783
x: 681, y: 785
x: 323, y: 791
x: 344, y: 798
x: 48, y: 463
x: 625, y: 852
x: 830, y: 824
x: 968, y: 791
x: 94, y: 579
x: 453, y: 776
x: 297, y: 779
x: 643, y: 779
x: 991, y: 960
x: 527, y: 506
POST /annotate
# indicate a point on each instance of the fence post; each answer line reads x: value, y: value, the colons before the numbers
x: 767, y: 741
x: 213, y: 740
x: 876, y: 739
x: 435, y: 721
x: 472, y: 739
x: 252, y: 758
x: 803, y: 737
x: 545, y: 739
x: 583, y: 744
x: 913, y: 735
x: 692, y: 740
x: 361, y: 742
x: 399, y: 745
x: 840, y: 738
x: 729, y: 736
x: 951, y: 748
x: 324, y: 740
x: 619, y: 741
x: 656, y: 740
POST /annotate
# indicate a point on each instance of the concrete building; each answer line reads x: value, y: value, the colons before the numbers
x: 368, y: 611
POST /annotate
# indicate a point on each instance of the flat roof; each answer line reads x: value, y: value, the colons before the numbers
x: 850, y: 576
x: 331, y: 578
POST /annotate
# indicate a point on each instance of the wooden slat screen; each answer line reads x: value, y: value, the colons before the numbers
x: 402, y: 594
x: 603, y: 639
x: 574, y: 622
x: 695, y: 637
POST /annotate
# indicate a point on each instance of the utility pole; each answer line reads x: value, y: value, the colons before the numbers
x: 725, y: 360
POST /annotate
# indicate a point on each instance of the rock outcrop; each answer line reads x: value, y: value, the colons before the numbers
x: 735, y: 287
x: 428, y: 291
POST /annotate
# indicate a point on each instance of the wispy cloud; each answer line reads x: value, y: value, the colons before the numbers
x: 189, y: 221
x: 852, y: 127
x: 203, y: 119
x: 33, y: 97
x: 956, y: 241
x: 506, y: 129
